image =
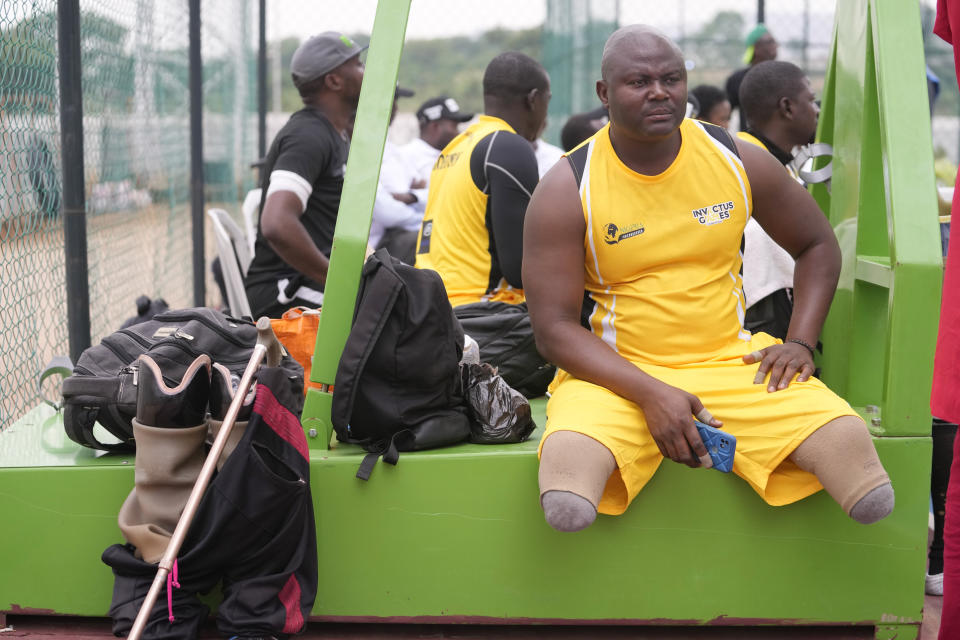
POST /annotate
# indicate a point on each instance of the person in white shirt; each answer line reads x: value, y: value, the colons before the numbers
x: 439, y: 120
x: 394, y: 209
x: 405, y: 175
x: 547, y: 155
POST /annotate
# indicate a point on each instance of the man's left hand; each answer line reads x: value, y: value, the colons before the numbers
x: 782, y: 362
x: 405, y: 198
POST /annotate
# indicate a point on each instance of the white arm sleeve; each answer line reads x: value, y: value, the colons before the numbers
x: 296, y: 184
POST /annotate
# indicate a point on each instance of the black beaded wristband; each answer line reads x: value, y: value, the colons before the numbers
x: 804, y: 343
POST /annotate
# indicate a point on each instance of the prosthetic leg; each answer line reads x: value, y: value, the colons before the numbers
x: 170, y: 430
x: 842, y: 456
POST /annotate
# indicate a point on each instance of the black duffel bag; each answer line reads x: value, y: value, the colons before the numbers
x: 505, y: 336
x: 103, y: 385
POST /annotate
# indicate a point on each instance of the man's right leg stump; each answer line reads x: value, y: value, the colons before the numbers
x: 574, y: 469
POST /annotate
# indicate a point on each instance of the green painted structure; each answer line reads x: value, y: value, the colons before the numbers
x: 456, y: 535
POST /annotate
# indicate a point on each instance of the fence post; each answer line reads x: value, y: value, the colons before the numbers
x: 196, y: 156
x: 74, y: 204
x: 262, y: 84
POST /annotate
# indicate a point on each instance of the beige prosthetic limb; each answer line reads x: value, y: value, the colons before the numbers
x: 168, y: 464
x: 574, y: 469
x: 842, y: 456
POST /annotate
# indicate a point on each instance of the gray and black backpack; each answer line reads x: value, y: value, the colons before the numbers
x: 103, y: 387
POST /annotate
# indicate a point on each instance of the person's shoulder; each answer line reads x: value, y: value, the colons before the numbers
x: 309, y: 122
x: 417, y: 144
x: 418, y: 148
x: 735, y: 78
x: 752, y: 139
x: 512, y: 146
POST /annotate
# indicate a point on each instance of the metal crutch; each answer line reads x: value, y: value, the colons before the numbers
x: 267, y: 347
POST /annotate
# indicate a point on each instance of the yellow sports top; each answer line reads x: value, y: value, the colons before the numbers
x: 454, y: 239
x: 663, y: 253
x: 754, y: 140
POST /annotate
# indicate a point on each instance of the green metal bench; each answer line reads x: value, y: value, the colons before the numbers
x: 456, y: 534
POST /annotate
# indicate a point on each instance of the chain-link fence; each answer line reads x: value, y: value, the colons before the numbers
x: 136, y: 134
x: 136, y: 121
x: 449, y: 43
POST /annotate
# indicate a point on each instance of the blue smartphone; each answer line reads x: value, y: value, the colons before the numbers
x: 720, y: 445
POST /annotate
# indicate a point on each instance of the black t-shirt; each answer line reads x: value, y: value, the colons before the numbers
x: 309, y: 146
x: 733, y: 93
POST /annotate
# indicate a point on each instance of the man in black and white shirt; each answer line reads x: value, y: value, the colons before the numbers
x: 303, y: 179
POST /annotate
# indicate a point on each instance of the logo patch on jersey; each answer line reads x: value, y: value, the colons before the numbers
x: 447, y: 161
x: 714, y: 213
x: 425, y: 232
x: 614, y: 234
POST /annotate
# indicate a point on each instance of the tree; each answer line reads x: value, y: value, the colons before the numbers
x: 719, y: 42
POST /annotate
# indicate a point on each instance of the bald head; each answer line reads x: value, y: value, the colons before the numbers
x: 644, y: 85
x: 630, y: 41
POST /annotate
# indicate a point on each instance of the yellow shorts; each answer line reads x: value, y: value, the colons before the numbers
x: 768, y: 426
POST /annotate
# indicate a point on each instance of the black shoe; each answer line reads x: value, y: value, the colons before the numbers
x: 185, y: 405
x: 223, y: 385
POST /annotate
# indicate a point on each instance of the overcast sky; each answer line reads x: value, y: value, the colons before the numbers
x: 437, y: 18
x: 428, y: 18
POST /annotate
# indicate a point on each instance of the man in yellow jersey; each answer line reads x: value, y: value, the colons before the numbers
x: 781, y: 113
x: 632, y: 273
x: 472, y: 231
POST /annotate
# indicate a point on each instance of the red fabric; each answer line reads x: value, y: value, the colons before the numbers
x: 944, y: 397
x: 290, y: 597
x: 950, y: 617
x: 284, y: 423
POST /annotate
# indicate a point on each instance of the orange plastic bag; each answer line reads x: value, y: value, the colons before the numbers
x: 297, y: 331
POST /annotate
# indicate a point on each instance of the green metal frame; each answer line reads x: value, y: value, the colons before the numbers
x: 882, y: 328
x: 356, y: 211
x: 455, y: 534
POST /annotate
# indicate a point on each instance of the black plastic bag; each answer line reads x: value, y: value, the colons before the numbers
x: 499, y: 414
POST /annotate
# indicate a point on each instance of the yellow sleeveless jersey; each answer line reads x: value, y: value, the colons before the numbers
x: 454, y: 240
x: 754, y: 140
x: 663, y: 253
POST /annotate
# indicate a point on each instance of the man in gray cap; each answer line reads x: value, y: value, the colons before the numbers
x: 302, y: 178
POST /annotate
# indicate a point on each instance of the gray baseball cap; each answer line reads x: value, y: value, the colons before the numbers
x: 321, y: 54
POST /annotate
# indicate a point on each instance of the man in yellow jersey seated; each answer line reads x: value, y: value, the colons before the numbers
x: 781, y: 113
x: 472, y: 231
x: 632, y: 273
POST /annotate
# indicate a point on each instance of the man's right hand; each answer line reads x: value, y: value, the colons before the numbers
x: 669, y: 413
x: 405, y: 198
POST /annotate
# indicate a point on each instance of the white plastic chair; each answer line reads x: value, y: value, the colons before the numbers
x: 235, y: 257
x: 250, y: 207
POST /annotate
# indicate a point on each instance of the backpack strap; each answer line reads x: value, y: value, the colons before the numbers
x: 721, y: 135
x: 376, y: 303
x: 58, y: 366
x: 373, y: 310
x: 389, y: 452
x: 578, y: 162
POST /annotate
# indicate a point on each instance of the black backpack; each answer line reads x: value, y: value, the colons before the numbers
x: 505, y: 337
x: 103, y: 385
x: 398, y: 385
